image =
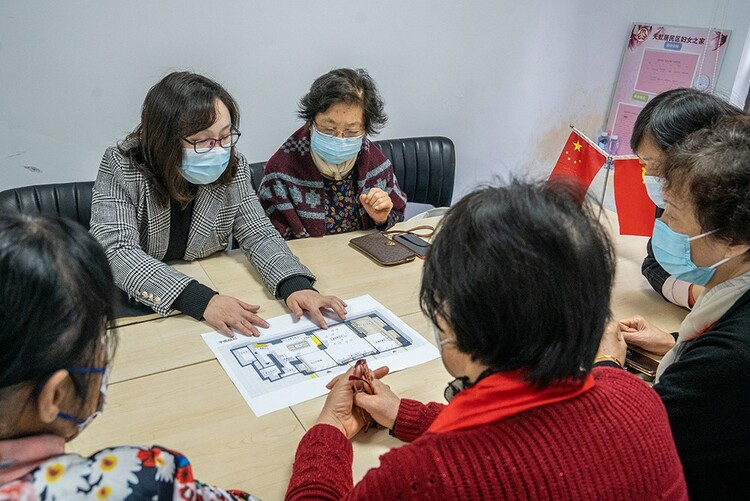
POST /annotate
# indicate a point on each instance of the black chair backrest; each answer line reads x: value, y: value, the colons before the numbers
x: 425, y: 168
x: 256, y: 174
x: 71, y: 200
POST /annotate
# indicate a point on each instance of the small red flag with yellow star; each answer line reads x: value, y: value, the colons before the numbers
x: 578, y: 163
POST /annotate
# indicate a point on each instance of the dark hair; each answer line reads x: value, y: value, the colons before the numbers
x: 181, y: 104
x: 348, y: 86
x: 712, y: 167
x: 56, y: 295
x: 673, y: 115
x: 522, y: 274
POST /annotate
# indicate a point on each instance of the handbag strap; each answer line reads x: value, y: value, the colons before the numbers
x: 428, y: 231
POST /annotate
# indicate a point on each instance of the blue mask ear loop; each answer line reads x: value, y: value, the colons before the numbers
x: 68, y: 417
x: 77, y: 370
x: 82, y: 423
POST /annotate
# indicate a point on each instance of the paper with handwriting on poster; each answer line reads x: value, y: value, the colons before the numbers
x: 292, y: 362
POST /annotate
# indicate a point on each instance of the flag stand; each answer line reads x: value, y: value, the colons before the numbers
x: 635, y: 210
x: 608, y: 166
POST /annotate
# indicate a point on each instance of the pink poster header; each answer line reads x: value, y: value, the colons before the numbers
x: 659, y: 58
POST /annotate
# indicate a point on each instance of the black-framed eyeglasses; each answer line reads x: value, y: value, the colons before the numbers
x: 206, y: 145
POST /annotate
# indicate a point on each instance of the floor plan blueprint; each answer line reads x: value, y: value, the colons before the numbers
x: 291, y: 362
x: 314, y: 351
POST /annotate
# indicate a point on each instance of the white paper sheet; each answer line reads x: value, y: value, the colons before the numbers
x: 293, y: 361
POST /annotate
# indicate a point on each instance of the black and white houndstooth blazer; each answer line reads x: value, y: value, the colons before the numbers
x: 134, y: 231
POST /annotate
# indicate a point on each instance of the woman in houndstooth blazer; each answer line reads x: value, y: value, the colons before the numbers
x: 176, y: 188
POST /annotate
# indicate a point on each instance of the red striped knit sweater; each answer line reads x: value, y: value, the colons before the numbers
x: 612, y: 442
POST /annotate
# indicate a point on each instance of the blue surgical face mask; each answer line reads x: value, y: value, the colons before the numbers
x: 204, y: 168
x: 654, y: 188
x: 335, y: 150
x: 672, y: 252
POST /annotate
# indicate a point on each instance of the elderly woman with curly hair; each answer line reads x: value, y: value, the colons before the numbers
x: 328, y: 177
x: 703, y: 238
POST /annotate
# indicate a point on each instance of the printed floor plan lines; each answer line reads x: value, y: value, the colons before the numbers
x: 293, y: 360
x: 317, y: 350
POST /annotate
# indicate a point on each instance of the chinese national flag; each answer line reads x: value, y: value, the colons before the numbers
x: 578, y: 163
x: 635, y: 210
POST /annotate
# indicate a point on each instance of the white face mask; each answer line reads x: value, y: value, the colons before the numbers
x: 439, y: 342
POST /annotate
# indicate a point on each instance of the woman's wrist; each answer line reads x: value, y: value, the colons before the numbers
x: 326, y: 418
x: 605, y: 357
x: 381, y: 223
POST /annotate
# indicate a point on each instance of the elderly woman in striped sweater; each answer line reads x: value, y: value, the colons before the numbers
x: 328, y: 177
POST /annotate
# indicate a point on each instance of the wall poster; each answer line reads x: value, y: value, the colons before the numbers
x: 659, y: 58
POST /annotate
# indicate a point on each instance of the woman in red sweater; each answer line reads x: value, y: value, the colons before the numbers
x: 527, y: 416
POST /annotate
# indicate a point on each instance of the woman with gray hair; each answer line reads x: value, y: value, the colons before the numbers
x: 703, y: 238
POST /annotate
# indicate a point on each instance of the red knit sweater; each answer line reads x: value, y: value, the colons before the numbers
x: 612, y: 442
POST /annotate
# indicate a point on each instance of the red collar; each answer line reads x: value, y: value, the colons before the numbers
x: 500, y: 396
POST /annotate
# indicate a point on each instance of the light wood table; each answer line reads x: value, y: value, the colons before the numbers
x: 168, y: 389
x: 197, y: 411
x: 341, y: 271
x: 161, y: 344
x: 193, y: 269
x: 151, y: 344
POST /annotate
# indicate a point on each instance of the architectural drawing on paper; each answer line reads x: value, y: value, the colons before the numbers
x: 293, y: 360
x: 310, y: 352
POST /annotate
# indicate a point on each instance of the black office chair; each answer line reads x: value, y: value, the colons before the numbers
x: 70, y: 200
x: 73, y: 201
x: 425, y: 167
x: 256, y: 174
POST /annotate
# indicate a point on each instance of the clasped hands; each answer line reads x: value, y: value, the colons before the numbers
x: 635, y: 331
x: 358, y: 397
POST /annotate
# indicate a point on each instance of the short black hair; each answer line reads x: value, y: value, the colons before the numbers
x: 712, y: 167
x: 522, y: 274
x: 56, y: 297
x: 345, y: 85
x: 673, y: 115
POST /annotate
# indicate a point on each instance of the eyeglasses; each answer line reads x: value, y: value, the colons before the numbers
x: 332, y: 131
x: 206, y: 145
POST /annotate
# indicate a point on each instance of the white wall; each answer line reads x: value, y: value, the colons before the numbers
x: 741, y: 88
x: 502, y: 79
